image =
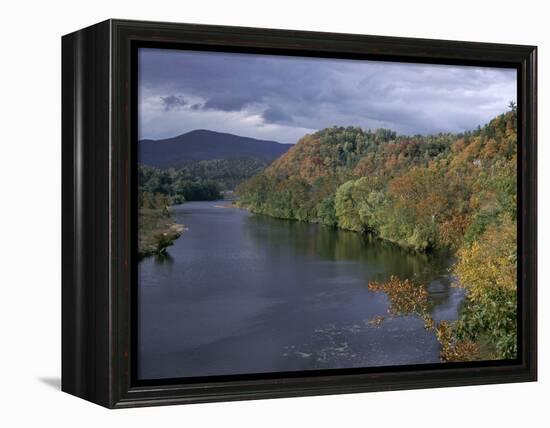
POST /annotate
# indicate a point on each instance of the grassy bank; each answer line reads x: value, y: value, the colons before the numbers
x: 156, y: 231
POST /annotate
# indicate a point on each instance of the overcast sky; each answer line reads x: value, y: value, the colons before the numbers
x: 283, y: 98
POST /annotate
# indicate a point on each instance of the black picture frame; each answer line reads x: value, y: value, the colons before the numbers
x: 98, y: 225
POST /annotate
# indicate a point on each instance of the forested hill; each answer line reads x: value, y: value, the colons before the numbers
x: 203, y: 144
x: 421, y: 192
x: 442, y: 191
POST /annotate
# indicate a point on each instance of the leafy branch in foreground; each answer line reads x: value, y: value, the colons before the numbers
x: 406, y: 297
x: 471, y: 337
x: 409, y: 298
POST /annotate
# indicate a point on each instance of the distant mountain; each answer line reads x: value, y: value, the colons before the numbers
x: 202, y: 144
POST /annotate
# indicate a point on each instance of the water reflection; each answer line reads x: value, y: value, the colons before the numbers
x: 164, y: 259
x: 381, y: 259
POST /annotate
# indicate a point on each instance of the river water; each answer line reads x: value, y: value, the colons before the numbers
x: 242, y: 293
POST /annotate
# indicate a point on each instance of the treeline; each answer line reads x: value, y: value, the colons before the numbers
x: 198, y: 180
x: 423, y: 193
x: 175, y: 185
x: 227, y: 173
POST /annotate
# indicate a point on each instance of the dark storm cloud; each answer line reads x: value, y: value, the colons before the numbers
x: 275, y: 114
x: 172, y: 101
x: 282, y: 98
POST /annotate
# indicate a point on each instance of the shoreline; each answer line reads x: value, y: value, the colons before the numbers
x: 156, y: 232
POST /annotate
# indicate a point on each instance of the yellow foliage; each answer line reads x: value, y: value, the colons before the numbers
x: 489, y: 264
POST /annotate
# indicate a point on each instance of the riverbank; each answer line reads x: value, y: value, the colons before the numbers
x: 156, y: 231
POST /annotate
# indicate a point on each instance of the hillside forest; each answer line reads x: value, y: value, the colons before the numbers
x: 424, y: 193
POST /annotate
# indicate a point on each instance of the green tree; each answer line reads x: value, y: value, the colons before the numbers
x: 347, y: 208
x: 327, y: 212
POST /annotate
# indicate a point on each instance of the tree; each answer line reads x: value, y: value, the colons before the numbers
x: 347, y: 209
x: 326, y: 212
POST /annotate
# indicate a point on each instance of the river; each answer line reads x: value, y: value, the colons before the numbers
x: 242, y: 293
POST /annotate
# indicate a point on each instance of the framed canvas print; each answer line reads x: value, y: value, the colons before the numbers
x: 252, y: 213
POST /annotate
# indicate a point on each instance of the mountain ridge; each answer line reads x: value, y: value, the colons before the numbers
x: 204, y: 144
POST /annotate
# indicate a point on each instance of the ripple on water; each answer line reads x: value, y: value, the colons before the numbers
x: 362, y: 344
